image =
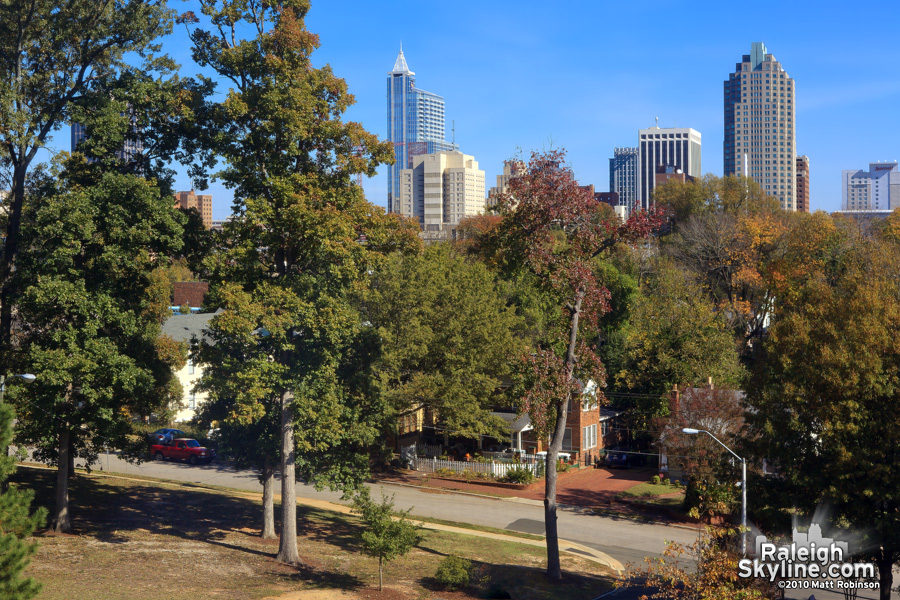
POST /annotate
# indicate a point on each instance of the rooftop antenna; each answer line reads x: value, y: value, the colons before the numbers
x: 453, y: 132
x: 657, y: 122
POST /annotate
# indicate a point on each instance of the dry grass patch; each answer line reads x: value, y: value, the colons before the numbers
x: 135, y: 540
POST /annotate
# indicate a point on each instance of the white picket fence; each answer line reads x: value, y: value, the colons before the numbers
x: 493, y: 468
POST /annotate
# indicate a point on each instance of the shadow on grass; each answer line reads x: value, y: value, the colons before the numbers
x: 498, y: 581
x: 106, y: 508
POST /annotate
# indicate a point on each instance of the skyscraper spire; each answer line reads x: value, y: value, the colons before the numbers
x: 400, y: 65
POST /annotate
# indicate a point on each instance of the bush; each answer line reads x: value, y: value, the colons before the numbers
x: 562, y: 467
x: 655, y: 479
x: 521, y: 475
x: 454, y: 573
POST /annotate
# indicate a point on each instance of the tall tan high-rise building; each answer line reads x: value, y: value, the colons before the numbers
x: 441, y: 189
x: 803, y: 184
x: 202, y: 202
x: 760, y: 139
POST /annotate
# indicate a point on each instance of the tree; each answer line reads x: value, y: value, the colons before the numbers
x: 553, y: 231
x: 51, y: 52
x: 16, y: 523
x: 447, y: 333
x: 91, y: 319
x: 824, y: 396
x: 385, y: 536
x: 675, y: 336
x: 303, y: 238
x: 716, y: 576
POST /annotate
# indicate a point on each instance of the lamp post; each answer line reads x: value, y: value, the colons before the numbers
x: 691, y: 431
x: 28, y: 377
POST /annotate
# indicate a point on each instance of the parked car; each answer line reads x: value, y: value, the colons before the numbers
x: 624, y: 457
x: 183, y: 449
x: 164, y: 436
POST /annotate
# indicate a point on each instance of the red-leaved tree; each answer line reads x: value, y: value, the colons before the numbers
x: 555, y: 230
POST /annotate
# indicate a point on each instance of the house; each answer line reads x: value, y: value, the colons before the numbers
x: 190, y: 329
x: 590, y: 429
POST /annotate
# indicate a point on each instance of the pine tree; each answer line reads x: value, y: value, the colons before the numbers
x: 17, y: 522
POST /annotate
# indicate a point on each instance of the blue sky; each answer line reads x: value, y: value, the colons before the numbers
x: 520, y: 75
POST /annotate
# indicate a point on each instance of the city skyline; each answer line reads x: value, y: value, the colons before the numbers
x: 516, y: 77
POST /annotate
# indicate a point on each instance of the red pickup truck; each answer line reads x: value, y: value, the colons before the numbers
x: 183, y: 449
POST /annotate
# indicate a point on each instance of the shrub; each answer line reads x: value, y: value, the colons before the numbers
x: 454, y: 573
x: 655, y: 479
x: 521, y: 475
x: 562, y: 467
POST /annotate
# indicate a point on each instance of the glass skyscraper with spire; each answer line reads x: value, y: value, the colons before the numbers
x: 415, y: 124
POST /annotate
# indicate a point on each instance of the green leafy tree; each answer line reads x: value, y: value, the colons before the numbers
x: 296, y: 247
x: 675, y: 336
x: 91, y: 320
x: 16, y: 523
x: 386, y: 536
x: 824, y: 397
x: 51, y: 54
x: 447, y: 336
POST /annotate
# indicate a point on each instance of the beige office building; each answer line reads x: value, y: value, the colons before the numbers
x: 441, y: 189
x: 760, y: 140
x: 201, y: 202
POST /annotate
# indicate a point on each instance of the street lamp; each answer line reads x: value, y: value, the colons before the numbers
x: 691, y: 431
x: 27, y: 377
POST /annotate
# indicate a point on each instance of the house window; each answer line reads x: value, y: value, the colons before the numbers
x: 588, y: 437
x: 192, y: 401
x: 604, y: 428
x: 190, y: 366
x: 567, y: 440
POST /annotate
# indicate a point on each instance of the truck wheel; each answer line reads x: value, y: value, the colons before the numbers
x: 159, y: 456
x: 193, y: 459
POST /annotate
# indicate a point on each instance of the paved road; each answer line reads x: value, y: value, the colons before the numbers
x: 623, y: 539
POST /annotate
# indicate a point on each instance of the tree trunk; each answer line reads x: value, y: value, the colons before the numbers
x: 61, y: 523
x: 380, y: 579
x: 10, y: 247
x: 287, y: 550
x: 554, y: 570
x: 885, y: 564
x: 268, y: 528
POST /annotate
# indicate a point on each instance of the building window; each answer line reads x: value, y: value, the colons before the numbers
x: 190, y: 366
x: 589, y: 437
x: 192, y: 401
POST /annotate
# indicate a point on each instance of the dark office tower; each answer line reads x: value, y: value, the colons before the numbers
x: 623, y: 168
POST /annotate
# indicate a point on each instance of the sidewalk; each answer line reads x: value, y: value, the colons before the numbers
x: 585, y: 488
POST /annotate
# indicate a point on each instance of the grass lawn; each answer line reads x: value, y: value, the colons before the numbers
x: 649, y: 490
x: 137, y: 539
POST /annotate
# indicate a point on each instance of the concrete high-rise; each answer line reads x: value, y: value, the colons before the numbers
x: 760, y: 139
x: 877, y: 189
x: 415, y: 120
x: 664, y: 149
x: 623, y: 170
x: 803, y: 184
x: 441, y: 189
